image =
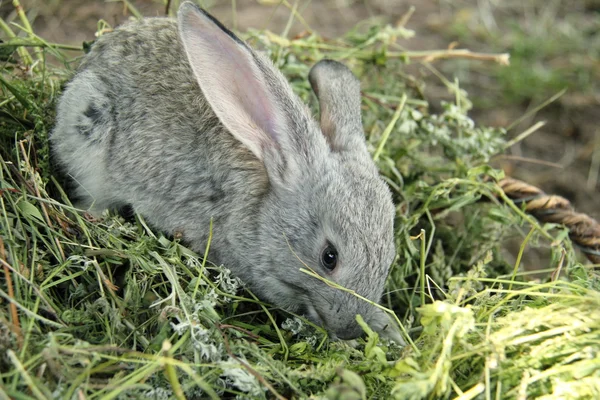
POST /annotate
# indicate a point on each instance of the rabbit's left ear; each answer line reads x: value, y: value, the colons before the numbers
x: 254, y: 103
x: 338, y: 92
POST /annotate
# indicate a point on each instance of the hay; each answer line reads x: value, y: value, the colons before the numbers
x: 111, y: 309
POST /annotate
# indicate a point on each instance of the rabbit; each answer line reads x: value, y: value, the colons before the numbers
x: 185, y: 123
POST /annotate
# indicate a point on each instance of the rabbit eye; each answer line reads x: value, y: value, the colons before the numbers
x: 329, y: 257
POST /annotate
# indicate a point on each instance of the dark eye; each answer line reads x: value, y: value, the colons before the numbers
x: 329, y: 257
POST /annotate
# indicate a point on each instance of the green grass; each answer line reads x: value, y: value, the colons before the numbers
x: 103, y: 309
x: 554, y: 45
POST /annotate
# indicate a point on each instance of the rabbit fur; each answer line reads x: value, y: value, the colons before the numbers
x: 185, y: 123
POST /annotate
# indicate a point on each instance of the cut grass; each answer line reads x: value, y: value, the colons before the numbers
x: 103, y: 309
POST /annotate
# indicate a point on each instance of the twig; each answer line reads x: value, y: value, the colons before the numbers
x: 527, y: 160
x: 40, y: 393
x: 30, y: 313
x: 25, y: 22
x: 524, y: 134
x: 171, y: 372
x: 556, y: 273
x: 390, y: 127
x: 11, y: 292
x: 535, y: 109
x: 7, y: 266
x: 34, y: 42
x: 25, y: 56
x: 404, y: 18
x: 428, y: 56
x: 128, y: 6
x: 520, y: 257
x: 37, y: 192
x: 237, y: 328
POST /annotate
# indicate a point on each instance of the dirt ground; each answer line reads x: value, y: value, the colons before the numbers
x: 563, y: 157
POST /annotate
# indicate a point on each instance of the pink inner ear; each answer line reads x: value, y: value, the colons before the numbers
x: 231, y: 82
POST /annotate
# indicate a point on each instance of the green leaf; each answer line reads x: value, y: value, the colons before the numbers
x: 29, y: 211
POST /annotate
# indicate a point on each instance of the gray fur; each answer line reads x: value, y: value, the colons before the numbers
x: 135, y: 127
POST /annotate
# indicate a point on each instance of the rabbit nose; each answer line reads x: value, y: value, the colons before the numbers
x: 351, y: 331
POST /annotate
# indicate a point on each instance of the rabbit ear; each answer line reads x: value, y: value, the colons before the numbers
x: 232, y: 81
x: 338, y: 92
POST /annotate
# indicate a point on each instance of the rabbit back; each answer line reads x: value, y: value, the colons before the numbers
x: 145, y: 135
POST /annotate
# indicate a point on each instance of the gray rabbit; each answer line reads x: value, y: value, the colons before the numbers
x: 185, y: 123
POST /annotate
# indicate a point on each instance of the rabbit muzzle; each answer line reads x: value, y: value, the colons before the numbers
x: 339, y: 316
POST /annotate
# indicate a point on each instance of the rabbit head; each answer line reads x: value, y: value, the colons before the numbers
x: 326, y: 208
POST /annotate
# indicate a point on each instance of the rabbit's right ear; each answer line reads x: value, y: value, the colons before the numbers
x: 235, y: 84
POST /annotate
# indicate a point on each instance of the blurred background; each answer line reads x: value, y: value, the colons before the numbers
x: 554, y: 45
